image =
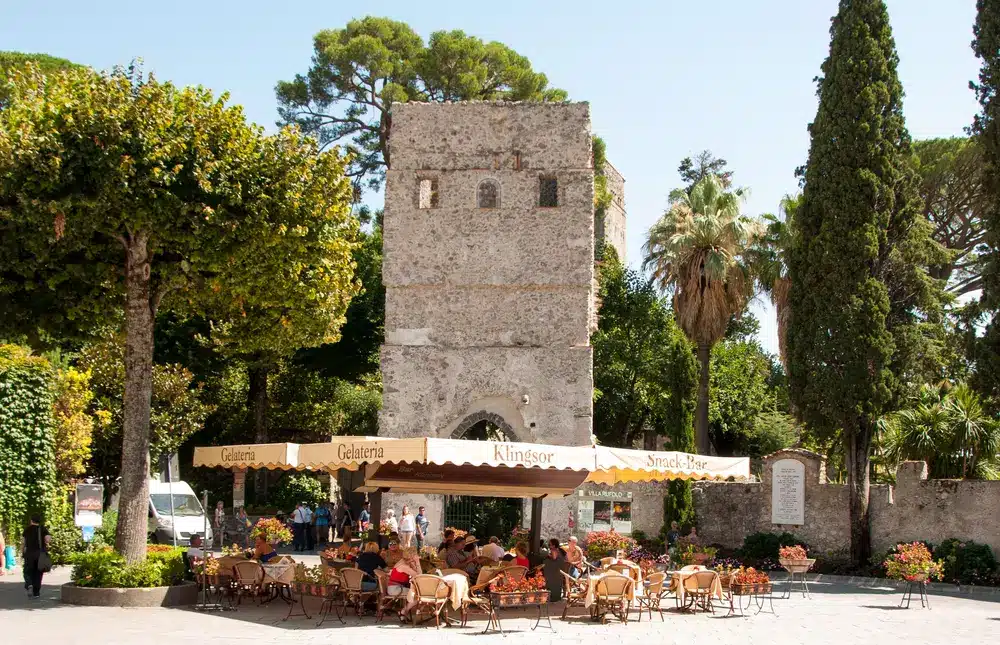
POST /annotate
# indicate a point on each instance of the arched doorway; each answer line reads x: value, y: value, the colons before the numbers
x: 484, y: 516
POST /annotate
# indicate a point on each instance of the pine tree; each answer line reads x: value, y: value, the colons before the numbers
x: 986, y: 127
x: 859, y: 233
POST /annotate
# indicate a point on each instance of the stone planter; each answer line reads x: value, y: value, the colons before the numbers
x: 175, y: 596
x: 797, y: 566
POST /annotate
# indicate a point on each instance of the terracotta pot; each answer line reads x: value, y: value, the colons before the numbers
x: 797, y: 566
x: 700, y: 558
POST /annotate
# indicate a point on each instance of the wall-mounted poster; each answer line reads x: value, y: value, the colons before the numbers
x: 89, y: 505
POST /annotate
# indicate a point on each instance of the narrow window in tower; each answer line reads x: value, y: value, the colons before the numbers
x: 488, y: 194
x: 428, y: 193
x: 548, y: 192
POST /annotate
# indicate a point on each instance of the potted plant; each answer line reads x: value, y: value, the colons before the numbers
x: 726, y: 567
x: 913, y: 563
x: 746, y: 581
x: 271, y: 531
x: 795, y: 559
x: 602, y: 544
x: 510, y: 593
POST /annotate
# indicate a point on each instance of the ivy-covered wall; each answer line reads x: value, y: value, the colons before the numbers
x: 27, y: 461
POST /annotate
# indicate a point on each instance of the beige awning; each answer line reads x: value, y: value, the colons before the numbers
x: 274, y: 456
x: 353, y: 452
x: 618, y: 465
x: 486, y: 468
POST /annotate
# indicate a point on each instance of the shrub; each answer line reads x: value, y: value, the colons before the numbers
x: 967, y: 562
x: 293, y: 489
x: 766, y: 546
x: 67, y: 538
x: 103, y: 567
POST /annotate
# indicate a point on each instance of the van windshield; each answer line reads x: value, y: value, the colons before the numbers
x: 184, y: 504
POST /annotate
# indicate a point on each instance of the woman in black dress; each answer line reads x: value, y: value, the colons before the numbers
x: 36, y: 540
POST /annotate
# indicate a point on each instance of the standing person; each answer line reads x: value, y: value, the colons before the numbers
x: 347, y: 522
x: 298, y: 527
x: 364, y: 518
x: 36, y: 542
x: 422, y: 525
x: 310, y: 542
x: 3, y: 554
x: 243, y: 526
x: 574, y: 556
x: 390, y: 520
x: 673, y: 534
x: 322, y: 519
x: 407, y: 527
x: 219, y: 523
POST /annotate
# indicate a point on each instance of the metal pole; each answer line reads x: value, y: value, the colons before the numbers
x: 170, y: 493
x: 535, y: 535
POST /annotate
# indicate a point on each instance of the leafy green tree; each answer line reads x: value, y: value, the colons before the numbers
x: 954, y: 202
x: 123, y: 194
x: 769, y: 257
x: 697, y: 250
x: 643, y: 367
x: 856, y: 284
x: 359, y: 71
x: 986, y: 130
x: 702, y: 165
x: 74, y: 422
x: 19, y: 61
x: 744, y: 418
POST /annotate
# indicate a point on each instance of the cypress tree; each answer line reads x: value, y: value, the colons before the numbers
x: 858, y: 221
x: 986, y: 128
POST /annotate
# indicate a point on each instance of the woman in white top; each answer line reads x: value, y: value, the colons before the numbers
x: 407, y: 527
x: 390, y: 520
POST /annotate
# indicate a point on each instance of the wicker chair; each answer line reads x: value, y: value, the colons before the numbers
x: 611, y: 595
x: 431, y: 592
x: 623, y: 569
x: 699, y: 589
x: 247, y: 579
x: 385, y: 601
x: 353, y: 593
x: 693, y: 567
x: 479, y: 595
x: 576, y: 592
x: 652, y: 595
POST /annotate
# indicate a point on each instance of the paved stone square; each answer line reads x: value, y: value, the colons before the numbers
x: 835, y: 614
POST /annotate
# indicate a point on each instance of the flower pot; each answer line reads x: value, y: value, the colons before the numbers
x: 543, y: 596
x: 700, y: 558
x: 917, y: 578
x: 797, y: 566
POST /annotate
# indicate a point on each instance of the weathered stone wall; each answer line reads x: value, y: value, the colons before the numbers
x: 488, y: 310
x: 916, y: 508
x: 612, y: 229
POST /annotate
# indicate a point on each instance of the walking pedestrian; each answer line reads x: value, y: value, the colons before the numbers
x: 347, y: 520
x: 220, y: 523
x: 3, y: 554
x: 422, y: 525
x: 298, y: 527
x: 322, y: 520
x: 407, y: 527
x: 310, y: 540
x: 243, y: 527
x: 35, y: 559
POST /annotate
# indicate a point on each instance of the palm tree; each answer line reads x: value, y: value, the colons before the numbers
x: 946, y: 427
x: 769, y: 258
x: 696, y: 250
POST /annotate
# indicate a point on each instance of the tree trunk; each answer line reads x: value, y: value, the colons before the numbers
x: 858, y: 457
x: 133, y: 502
x: 649, y: 440
x: 701, y: 419
x: 257, y: 396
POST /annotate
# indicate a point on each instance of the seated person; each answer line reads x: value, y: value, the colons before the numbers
x: 508, y: 557
x: 263, y: 552
x: 458, y: 558
x: 394, y: 554
x: 493, y: 550
x: 449, y: 537
x: 370, y: 561
x: 521, y: 555
x: 574, y: 555
x: 195, y: 553
x: 399, y: 578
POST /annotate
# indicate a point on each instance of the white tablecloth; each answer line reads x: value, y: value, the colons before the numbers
x: 592, y: 588
x: 459, y: 586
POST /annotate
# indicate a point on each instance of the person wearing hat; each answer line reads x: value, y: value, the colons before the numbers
x: 471, y: 546
x: 458, y: 558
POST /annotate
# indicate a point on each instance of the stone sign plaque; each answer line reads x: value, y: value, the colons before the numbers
x: 788, y: 492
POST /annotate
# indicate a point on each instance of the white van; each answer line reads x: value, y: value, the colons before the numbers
x: 189, y: 516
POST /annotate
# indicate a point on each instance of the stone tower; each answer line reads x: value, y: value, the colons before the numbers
x: 611, y: 229
x: 488, y: 268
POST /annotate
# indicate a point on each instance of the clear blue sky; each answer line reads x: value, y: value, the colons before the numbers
x: 664, y: 79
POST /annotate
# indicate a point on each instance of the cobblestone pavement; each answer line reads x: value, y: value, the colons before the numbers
x: 834, y: 614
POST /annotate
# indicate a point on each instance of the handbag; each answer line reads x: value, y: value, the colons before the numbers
x: 44, y: 561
